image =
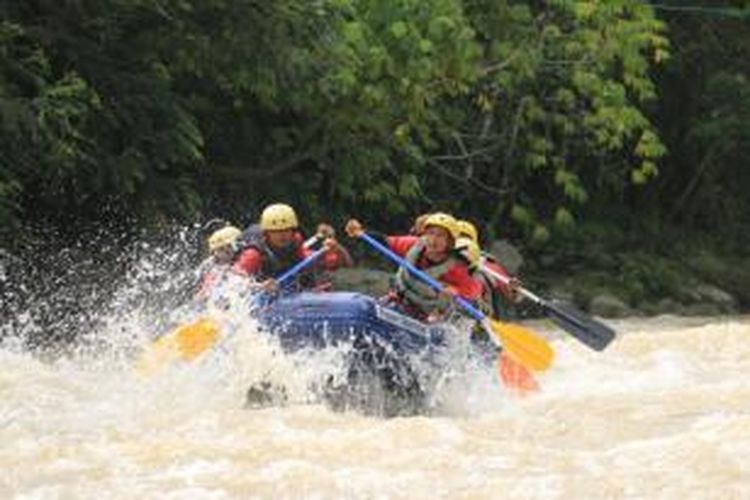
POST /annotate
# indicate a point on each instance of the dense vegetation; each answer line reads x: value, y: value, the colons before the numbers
x: 606, y: 135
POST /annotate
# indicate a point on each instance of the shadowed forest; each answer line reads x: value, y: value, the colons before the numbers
x: 607, y: 140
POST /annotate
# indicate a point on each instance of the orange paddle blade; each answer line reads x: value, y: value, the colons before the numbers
x: 523, y: 345
x: 516, y: 376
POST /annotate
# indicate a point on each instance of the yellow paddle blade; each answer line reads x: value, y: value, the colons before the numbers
x: 185, y: 342
x: 196, y: 338
x: 525, y: 346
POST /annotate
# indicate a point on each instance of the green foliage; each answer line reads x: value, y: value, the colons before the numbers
x: 529, y: 117
x: 646, y: 277
x: 704, y: 111
x: 558, y: 111
x: 87, y: 117
x: 161, y: 103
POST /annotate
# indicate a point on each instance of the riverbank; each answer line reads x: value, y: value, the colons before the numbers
x: 613, y: 285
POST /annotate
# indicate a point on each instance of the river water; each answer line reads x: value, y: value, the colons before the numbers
x: 664, y: 412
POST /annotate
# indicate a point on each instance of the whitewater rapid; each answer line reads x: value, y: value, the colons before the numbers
x: 662, y: 413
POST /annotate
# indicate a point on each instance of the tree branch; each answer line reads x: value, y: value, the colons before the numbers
x: 288, y: 164
x: 470, y: 181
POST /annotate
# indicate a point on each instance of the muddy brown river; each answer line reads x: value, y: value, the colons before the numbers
x: 664, y: 412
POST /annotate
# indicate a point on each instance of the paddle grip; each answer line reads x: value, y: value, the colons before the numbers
x: 526, y: 293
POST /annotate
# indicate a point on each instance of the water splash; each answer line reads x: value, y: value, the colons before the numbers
x: 666, y: 397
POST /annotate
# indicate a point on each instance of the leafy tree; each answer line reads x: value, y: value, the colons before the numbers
x: 494, y: 108
x: 88, y: 114
x: 704, y: 113
x: 557, y: 116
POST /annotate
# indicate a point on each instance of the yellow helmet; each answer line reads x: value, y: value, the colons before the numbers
x: 447, y: 222
x: 418, y: 226
x: 226, y: 236
x: 278, y: 217
x: 466, y: 228
x: 470, y: 250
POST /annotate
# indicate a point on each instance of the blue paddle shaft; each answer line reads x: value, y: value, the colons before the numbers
x: 299, y: 266
x: 432, y: 282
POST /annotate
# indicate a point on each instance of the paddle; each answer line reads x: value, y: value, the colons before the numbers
x: 313, y: 240
x: 522, y: 344
x: 587, y: 330
x: 187, y: 342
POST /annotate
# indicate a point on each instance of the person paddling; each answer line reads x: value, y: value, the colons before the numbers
x: 222, y: 248
x: 278, y: 246
x: 496, y: 292
x: 332, y: 260
x: 434, y: 253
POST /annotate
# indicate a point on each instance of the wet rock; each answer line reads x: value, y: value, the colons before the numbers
x: 688, y: 294
x: 701, y: 309
x: 721, y: 299
x: 608, y: 306
x: 508, y: 255
x: 264, y: 394
x: 561, y: 294
x: 372, y: 282
x: 731, y: 274
x: 549, y: 261
x: 669, y: 306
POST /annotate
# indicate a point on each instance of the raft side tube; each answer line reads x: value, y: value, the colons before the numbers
x: 321, y: 319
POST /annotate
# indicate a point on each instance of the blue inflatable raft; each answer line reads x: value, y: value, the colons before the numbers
x: 318, y: 320
x: 381, y: 377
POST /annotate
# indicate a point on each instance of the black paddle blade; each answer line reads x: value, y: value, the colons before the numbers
x: 586, y: 329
